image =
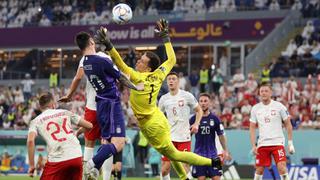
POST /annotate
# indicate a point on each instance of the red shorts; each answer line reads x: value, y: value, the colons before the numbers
x: 181, y: 146
x: 263, y: 157
x: 94, y: 133
x: 69, y: 169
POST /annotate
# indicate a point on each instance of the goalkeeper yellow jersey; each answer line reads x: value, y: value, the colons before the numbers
x: 144, y: 102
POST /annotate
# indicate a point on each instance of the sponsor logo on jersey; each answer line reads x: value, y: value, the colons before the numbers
x: 181, y: 103
x: 211, y: 122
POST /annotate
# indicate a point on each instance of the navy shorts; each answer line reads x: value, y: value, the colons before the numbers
x: 111, y: 119
x: 207, y: 171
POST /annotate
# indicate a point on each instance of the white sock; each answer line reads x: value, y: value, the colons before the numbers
x: 107, y: 168
x: 189, y: 175
x: 284, y: 176
x: 90, y: 164
x: 166, y: 177
x: 88, y: 153
x: 257, y: 177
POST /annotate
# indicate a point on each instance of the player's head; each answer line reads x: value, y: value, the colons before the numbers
x: 265, y: 91
x: 204, y: 101
x: 173, y: 81
x: 148, y: 62
x: 84, y: 41
x: 46, y: 100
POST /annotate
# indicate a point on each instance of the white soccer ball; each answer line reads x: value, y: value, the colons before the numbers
x: 121, y: 13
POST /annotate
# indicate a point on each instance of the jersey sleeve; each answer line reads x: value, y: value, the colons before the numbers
x: 192, y: 101
x: 192, y: 120
x: 161, y: 104
x: 74, y: 118
x: 219, y: 126
x: 110, y: 69
x: 253, y: 117
x: 81, y: 62
x: 283, y: 112
x: 116, y: 58
x: 33, y: 127
x: 164, y: 69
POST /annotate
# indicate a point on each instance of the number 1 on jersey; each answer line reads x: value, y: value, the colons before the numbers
x: 150, y: 95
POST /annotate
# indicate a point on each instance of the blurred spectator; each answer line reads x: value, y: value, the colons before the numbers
x: 194, y: 80
x: 154, y: 161
x: 238, y: 80
x: 216, y: 79
x: 182, y: 81
x: 204, y: 79
x: 53, y: 79
x: 274, y: 6
x: 27, y: 87
x: 297, y: 5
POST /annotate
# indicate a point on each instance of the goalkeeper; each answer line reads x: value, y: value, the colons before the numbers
x: 152, y: 122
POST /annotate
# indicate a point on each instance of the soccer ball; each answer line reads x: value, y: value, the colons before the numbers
x: 121, y: 13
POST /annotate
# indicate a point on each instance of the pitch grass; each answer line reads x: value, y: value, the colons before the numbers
x: 37, y: 178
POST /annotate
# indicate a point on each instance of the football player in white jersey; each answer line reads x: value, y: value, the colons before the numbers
x: 269, y: 115
x: 64, y: 150
x: 89, y: 115
x: 178, y: 105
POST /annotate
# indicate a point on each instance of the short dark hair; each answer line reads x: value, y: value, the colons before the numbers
x: 173, y: 73
x: 154, y: 60
x: 268, y: 84
x: 205, y: 94
x: 45, y: 98
x: 82, y: 39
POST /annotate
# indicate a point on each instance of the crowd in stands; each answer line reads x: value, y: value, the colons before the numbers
x: 231, y: 100
x: 21, y: 13
x: 302, y: 51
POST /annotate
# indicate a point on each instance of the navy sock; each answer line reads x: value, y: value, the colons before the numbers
x: 104, y: 152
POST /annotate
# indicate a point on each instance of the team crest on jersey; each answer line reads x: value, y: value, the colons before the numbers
x: 211, y: 122
x: 273, y: 112
x: 118, y: 130
x: 181, y: 103
x: 163, y: 69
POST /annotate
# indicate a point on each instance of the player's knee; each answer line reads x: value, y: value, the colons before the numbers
x: 118, y: 142
x: 282, y: 169
x: 89, y: 143
x: 259, y: 170
x: 165, y: 170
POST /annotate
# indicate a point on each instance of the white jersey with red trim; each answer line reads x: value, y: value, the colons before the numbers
x: 178, y: 110
x: 269, y: 119
x: 54, y: 125
x: 90, y: 92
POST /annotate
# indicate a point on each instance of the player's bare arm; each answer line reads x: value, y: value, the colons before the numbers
x: 252, y: 130
x: 125, y: 81
x: 31, y: 150
x: 288, y: 126
x: 74, y: 85
x: 84, y: 126
x: 195, y: 126
x: 223, y: 142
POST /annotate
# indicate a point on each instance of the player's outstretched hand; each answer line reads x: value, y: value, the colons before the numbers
x: 31, y: 171
x: 254, y: 150
x: 101, y: 37
x: 79, y: 132
x: 227, y: 156
x: 194, y: 128
x: 162, y: 29
x: 65, y: 99
x: 140, y: 86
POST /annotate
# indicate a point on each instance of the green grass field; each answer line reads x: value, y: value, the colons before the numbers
x: 28, y: 178
x: 36, y: 178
